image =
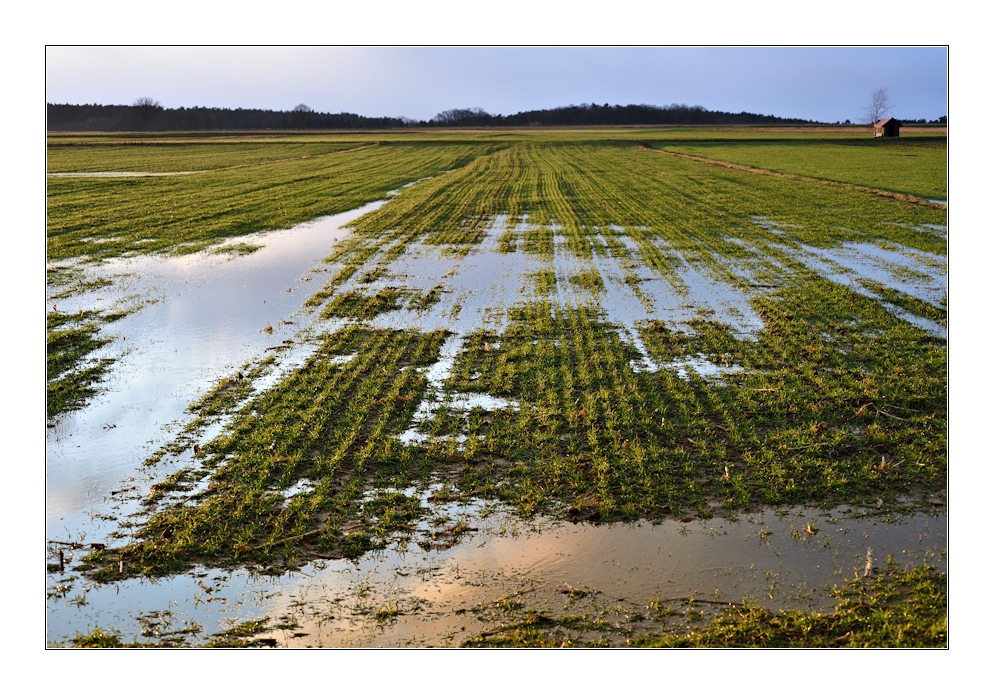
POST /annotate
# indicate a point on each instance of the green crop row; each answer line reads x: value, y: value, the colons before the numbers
x: 71, y: 375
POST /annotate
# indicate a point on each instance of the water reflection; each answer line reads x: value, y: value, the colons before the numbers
x: 405, y: 595
x: 208, y: 322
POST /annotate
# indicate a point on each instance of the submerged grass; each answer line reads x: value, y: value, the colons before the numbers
x: 71, y: 377
x: 893, y: 608
x: 157, y: 634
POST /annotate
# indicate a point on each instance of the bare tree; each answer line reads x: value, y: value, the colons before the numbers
x: 301, y: 115
x: 879, y: 105
x: 146, y: 108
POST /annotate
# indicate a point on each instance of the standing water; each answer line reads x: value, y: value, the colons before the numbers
x: 212, y: 313
x: 209, y: 316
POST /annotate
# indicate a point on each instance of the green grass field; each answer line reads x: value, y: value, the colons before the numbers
x: 915, y: 166
x: 836, y: 394
x: 105, y: 217
x: 169, y: 156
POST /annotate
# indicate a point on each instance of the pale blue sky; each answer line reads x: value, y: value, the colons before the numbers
x: 826, y: 84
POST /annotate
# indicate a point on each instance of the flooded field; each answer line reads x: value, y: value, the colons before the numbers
x: 207, y: 317
x: 585, y: 392
x: 619, y: 575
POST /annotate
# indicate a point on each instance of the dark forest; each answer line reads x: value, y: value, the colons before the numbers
x: 95, y: 117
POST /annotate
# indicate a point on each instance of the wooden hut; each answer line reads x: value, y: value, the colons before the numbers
x: 887, y: 128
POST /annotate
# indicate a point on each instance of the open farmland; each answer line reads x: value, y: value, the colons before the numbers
x: 507, y: 344
x: 913, y: 166
x: 173, y: 157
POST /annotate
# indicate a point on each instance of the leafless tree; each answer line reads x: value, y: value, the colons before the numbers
x: 301, y: 115
x: 879, y: 105
x: 146, y: 108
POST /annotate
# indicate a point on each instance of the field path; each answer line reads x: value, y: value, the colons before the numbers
x: 800, y: 177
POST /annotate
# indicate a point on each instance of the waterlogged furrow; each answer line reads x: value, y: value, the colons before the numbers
x: 909, y: 282
x: 331, y: 422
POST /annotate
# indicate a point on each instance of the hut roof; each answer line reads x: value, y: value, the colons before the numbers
x: 884, y: 121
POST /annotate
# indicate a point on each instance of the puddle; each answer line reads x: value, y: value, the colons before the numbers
x: 409, y: 596
x: 912, y: 272
x: 701, y: 366
x: 207, y: 324
x: 397, y: 191
x: 482, y: 285
x: 301, y: 486
x: 915, y: 273
x: 774, y: 226
x: 939, y: 230
x: 437, y: 396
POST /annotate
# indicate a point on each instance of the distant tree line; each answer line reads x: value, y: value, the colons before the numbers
x: 146, y: 114
x: 923, y: 121
x: 596, y: 114
x: 91, y: 117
